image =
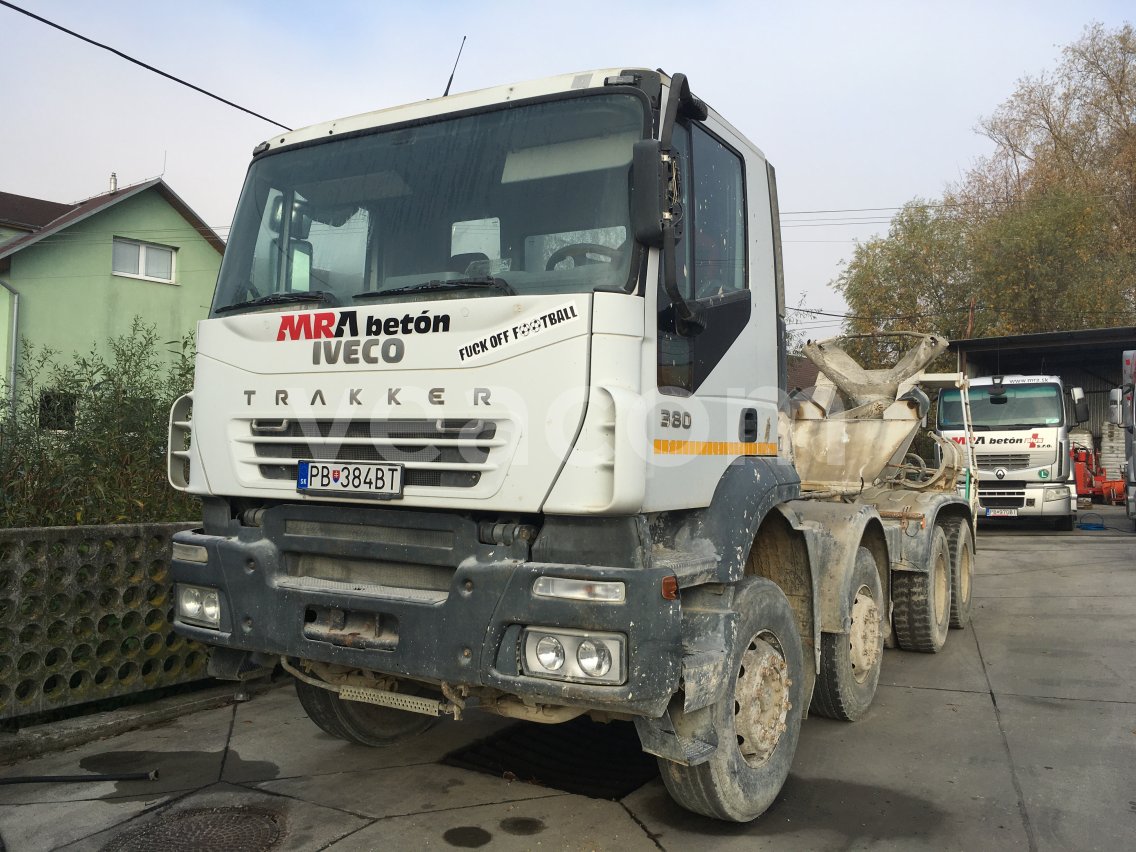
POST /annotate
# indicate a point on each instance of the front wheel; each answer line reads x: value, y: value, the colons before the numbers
x: 358, y: 722
x: 757, y: 720
x: 1064, y: 523
x: 850, y: 663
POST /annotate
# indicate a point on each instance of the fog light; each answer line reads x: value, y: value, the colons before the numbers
x: 550, y: 653
x: 199, y: 605
x: 594, y: 658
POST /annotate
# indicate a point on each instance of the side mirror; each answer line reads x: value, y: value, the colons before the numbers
x: 1116, y: 406
x: 300, y: 224
x: 652, y: 181
x: 1080, y: 405
x: 647, y: 193
x: 1120, y: 407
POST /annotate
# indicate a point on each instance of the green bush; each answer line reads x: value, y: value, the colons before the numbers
x: 84, y: 441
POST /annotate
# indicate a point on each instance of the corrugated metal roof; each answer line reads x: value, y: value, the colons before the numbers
x: 1086, y: 358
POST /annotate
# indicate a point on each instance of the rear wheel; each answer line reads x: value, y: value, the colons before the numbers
x: 358, y: 722
x: 756, y: 721
x: 921, y: 602
x: 961, y: 543
x: 850, y: 663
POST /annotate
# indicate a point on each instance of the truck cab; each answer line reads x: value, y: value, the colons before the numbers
x: 1021, y: 444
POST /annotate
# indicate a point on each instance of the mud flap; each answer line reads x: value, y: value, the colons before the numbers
x: 832, y: 533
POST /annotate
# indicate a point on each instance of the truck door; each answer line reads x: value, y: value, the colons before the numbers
x: 707, y: 413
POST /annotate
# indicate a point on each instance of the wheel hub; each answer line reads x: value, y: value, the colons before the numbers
x: 964, y: 574
x: 942, y: 581
x: 864, y: 636
x: 761, y: 700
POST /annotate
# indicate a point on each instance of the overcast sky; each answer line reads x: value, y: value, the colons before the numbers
x: 857, y: 104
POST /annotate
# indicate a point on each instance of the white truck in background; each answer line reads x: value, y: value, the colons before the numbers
x: 1122, y: 412
x: 1021, y: 444
x: 489, y: 414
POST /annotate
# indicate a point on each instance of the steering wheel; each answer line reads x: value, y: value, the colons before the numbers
x: 577, y: 252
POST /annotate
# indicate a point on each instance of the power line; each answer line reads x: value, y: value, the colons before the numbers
x: 943, y: 205
x: 129, y: 58
x: 932, y: 315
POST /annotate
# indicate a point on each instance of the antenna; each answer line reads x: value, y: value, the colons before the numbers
x: 451, y: 81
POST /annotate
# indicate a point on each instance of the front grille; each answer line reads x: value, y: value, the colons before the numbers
x: 1015, y: 461
x: 402, y: 575
x: 1010, y: 461
x: 1002, y: 495
x: 436, y: 453
x: 1001, y: 502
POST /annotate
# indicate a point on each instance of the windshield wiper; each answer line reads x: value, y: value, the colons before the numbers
x: 438, y: 284
x: 281, y: 299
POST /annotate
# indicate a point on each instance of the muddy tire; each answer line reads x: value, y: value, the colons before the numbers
x: 961, y: 544
x: 850, y: 663
x: 758, y: 719
x: 358, y: 722
x: 921, y: 602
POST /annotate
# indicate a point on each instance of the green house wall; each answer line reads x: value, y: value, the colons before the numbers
x: 71, y: 301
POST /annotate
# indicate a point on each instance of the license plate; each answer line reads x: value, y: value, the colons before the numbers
x: 377, y: 481
x: 1001, y: 513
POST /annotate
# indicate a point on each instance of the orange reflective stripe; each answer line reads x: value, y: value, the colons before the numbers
x: 664, y: 447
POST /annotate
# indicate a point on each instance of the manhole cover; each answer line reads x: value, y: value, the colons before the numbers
x: 603, y: 761
x: 205, y: 830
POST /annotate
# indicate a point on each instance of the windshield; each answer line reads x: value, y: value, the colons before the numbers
x: 1021, y: 407
x: 530, y: 199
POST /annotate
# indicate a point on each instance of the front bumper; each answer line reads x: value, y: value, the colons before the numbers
x: 416, y: 594
x: 995, y: 502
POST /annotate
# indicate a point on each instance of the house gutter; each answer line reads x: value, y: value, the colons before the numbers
x: 12, y: 342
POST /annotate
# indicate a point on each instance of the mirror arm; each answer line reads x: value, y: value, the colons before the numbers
x: 687, y: 321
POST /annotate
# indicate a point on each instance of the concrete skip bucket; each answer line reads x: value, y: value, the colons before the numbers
x: 848, y: 450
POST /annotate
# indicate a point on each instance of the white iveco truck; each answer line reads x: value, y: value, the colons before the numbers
x: 1021, y: 445
x: 1122, y: 412
x: 488, y: 414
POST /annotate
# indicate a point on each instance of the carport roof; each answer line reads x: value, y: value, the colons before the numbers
x: 1046, y: 352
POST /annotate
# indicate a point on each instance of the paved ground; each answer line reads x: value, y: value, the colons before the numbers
x: 1021, y: 734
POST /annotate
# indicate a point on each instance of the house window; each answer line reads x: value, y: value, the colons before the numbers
x: 143, y: 260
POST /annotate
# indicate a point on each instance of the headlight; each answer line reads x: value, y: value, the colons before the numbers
x: 199, y: 605
x: 583, y: 656
x: 1052, y: 494
x: 550, y: 653
x: 594, y: 658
